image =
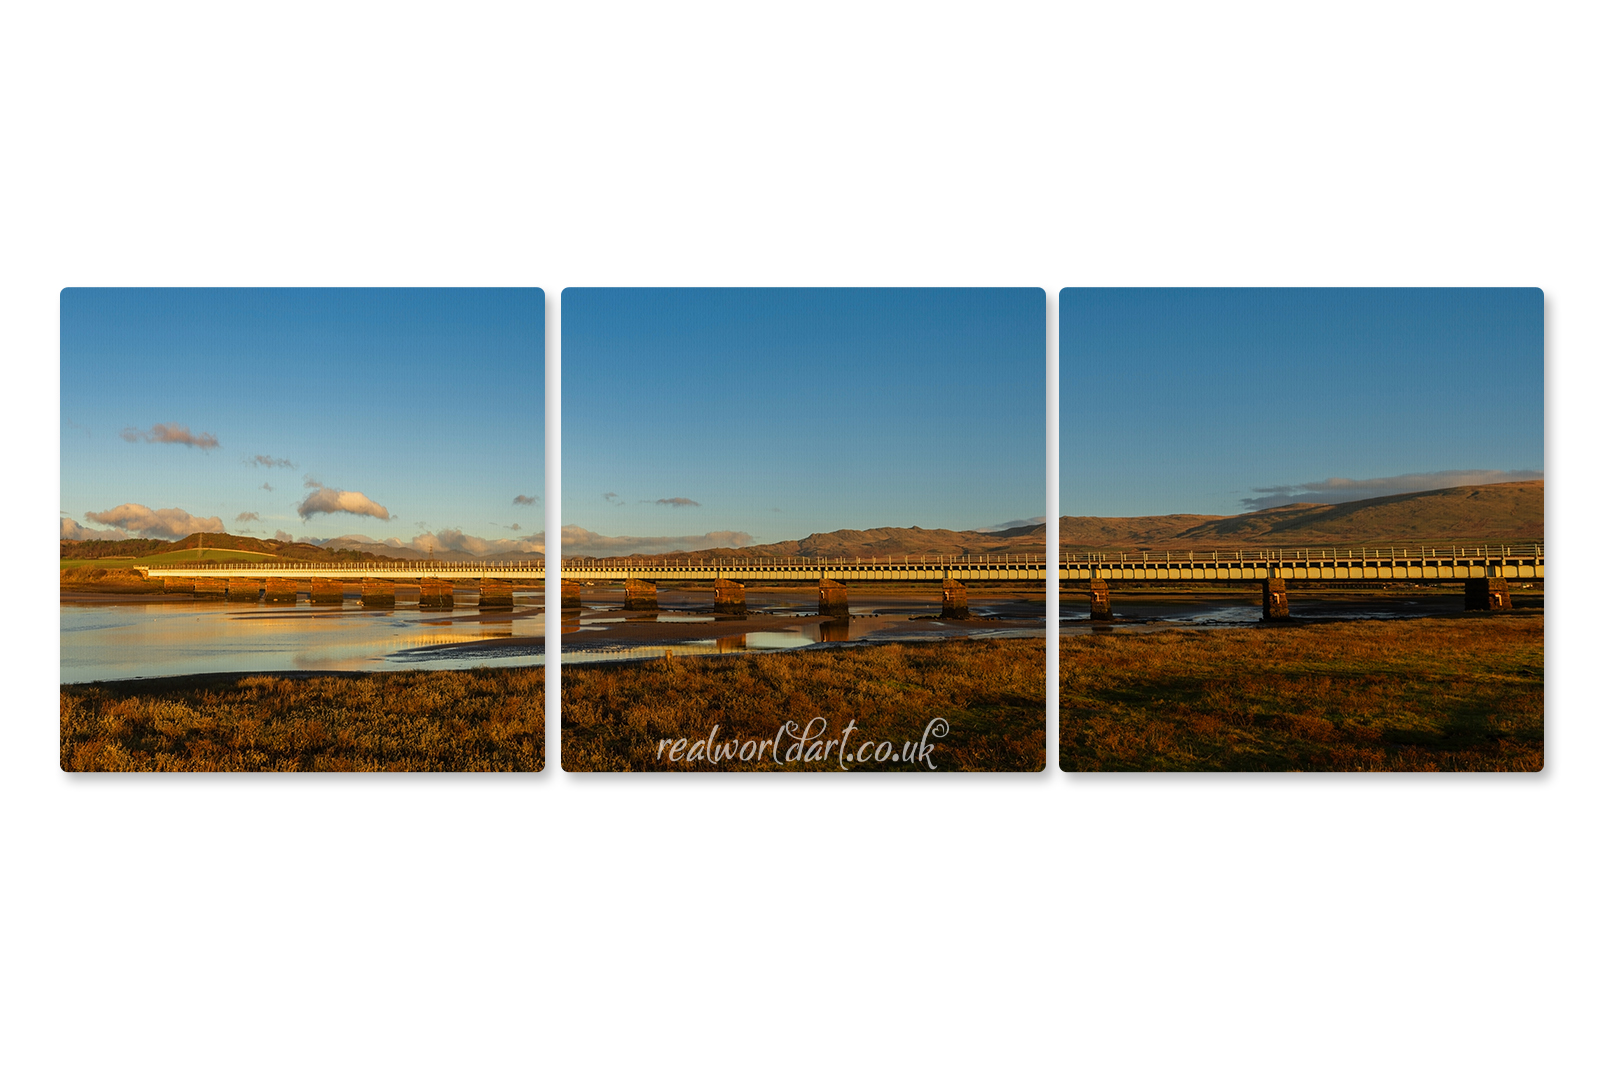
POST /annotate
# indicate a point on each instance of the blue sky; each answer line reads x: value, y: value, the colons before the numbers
x: 700, y: 417
x: 1219, y: 401
x: 422, y: 405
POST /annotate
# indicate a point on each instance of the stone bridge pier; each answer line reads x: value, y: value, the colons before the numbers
x: 571, y: 597
x: 1099, y: 600
x: 494, y: 594
x: 639, y: 595
x: 728, y: 597
x: 377, y: 593
x: 1488, y: 594
x: 327, y: 591
x: 1274, y: 600
x: 282, y: 591
x: 955, y: 601
x: 833, y: 598
x: 246, y: 589
x: 437, y: 595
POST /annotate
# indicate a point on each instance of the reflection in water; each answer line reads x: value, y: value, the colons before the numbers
x: 1243, y: 612
x: 148, y: 640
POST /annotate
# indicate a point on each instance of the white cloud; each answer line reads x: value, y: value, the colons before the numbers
x: 169, y: 523
x: 576, y: 541
x: 325, y: 501
x: 456, y: 541
x: 72, y: 531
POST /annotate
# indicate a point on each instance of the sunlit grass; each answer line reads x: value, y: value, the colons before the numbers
x: 478, y: 720
x: 992, y: 693
x: 1461, y: 694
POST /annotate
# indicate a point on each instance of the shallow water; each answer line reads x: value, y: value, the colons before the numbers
x: 779, y: 620
x: 108, y: 641
x: 1246, y: 610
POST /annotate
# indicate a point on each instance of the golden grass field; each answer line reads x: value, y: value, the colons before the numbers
x: 1454, y: 694
x: 478, y: 720
x: 614, y: 717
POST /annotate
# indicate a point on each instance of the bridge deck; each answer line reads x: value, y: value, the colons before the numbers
x: 1517, y: 562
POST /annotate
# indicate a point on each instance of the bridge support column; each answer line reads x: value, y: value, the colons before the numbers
x: 1099, y: 600
x: 833, y: 598
x: 728, y: 598
x: 437, y: 595
x: 955, y: 601
x: 282, y: 591
x: 208, y: 588
x: 327, y: 591
x: 1274, y: 600
x: 639, y: 595
x: 177, y: 585
x: 570, y: 596
x: 1488, y: 594
x: 494, y: 594
x: 377, y: 593
x: 247, y: 589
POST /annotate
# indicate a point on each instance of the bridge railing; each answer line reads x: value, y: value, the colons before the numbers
x: 1036, y: 559
x: 1311, y: 555
x: 506, y: 566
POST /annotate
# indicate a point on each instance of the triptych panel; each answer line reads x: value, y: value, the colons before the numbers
x: 802, y: 530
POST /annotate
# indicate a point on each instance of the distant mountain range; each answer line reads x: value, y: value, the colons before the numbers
x: 1467, y: 515
x: 1510, y: 512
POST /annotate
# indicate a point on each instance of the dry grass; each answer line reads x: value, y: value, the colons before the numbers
x: 1410, y: 695
x: 991, y: 692
x: 479, y: 720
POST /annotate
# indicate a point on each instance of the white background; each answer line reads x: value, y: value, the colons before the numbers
x: 562, y: 917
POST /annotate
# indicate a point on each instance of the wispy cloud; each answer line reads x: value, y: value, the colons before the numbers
x: 674, y: 502
x: 169, y: 523
x: 1343, y: 490
x: 170, y: 433
x: 524, y: 500
x: 576, y: 541
x: 614, y: 498
x: 1011, y: 524
x: 247, y: 516
x: 324, y: 500
x: 267, y: 486
x: 269, y: 461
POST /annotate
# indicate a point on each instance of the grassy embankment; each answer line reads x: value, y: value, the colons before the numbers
x: 478, y: 720
x: 1405, y: 695
x: 991, y: 692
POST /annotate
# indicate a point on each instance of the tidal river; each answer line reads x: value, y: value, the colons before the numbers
x: 106, y: 638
